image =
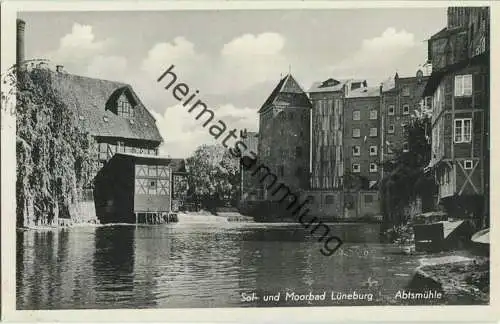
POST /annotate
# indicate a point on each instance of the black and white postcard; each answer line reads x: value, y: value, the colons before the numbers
x: 227, y: 160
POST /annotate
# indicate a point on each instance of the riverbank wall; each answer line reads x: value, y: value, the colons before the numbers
x: 461, y: 282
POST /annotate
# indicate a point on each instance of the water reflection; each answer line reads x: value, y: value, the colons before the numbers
x: 193, y: 265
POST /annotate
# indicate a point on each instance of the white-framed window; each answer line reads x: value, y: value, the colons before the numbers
x: 373, y: 150
x: 356, y: 168
x: 356, y: 132
x: 406, y: 147
x: 468, y: 164
x: 373, y: 114
x: 373, y: 131
x: 356, y: 115
x: 391, y: 129
x: 390, y: 110
x: 356, y: 150
x: 406, y: 109
x: 463, y: 130
x: 373, y: 167
x: 463, y: 85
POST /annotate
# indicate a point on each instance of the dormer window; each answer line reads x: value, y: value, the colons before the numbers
x: 125, y: 109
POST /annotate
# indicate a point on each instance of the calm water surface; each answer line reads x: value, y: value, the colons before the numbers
x: 199, y: 265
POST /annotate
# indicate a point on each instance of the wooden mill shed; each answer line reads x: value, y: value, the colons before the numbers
x: 136, y: 188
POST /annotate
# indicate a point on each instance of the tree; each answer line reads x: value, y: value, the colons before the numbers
x: 214, y: 176
x: 54, y: 157
x: 405, y: 178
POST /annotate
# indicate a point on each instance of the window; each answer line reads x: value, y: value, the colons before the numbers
x: 356, y: 150
x: 368, y: 199
x: 391, y: 129
x: 103, y: 151
x: 406, y: 109
x: 463, y: 85
x: 373, y: 131
x: 391, y: 110
x: 125, y: 109
x: 468, y: 164
x: 373, y: 114
x: 329, y: 199
x: 463, y: 130
x: 373, y: 150
x: 310, y: 199
x: 406, y: 148
x: 152, y: 188
x: 373, y: 167
x: 356, y: 132
x: 356, y: 115
x: 120, y: 147
x: 356, y: 168
x: 405, y: 91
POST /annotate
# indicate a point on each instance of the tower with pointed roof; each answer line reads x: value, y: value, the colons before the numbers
x: 284, y: 134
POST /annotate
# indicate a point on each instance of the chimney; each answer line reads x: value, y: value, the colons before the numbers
x: 59, y: 68
x: 20, y: 42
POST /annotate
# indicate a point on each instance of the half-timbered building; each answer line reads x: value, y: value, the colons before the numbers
x: 459, y: 86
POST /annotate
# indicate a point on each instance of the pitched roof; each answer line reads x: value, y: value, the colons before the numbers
x: 332, y: 85
x: 91, y: 100
x: 364, y: 92
x: 287, y: 92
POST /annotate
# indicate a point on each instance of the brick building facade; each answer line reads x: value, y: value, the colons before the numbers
x: 362, y: 138
x: 399, y: 101
x: 284, y: 135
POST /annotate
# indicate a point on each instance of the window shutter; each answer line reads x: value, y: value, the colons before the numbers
x: 467, y: 84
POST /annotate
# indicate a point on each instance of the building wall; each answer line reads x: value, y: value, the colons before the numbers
x: 407, y: 93
x: 284, y: 144
x: 326, y: 204
x: 362, y: 203
x: 326, y: 140
x: 152, y: 188
x: 364, y: 105
x: 458, y: 176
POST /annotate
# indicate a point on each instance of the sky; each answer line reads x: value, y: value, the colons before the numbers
x: 233, y: 57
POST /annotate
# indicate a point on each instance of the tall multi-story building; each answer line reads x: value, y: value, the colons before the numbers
x: 284, y: 134
x: 362, y: 137
x: 327, y: 98
x: 399, y: 100
x: 459, y: 86
x: 332, y: 147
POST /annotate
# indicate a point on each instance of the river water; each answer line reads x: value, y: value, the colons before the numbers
x: 202, y: 265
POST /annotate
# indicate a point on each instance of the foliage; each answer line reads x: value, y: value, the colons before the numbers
x: 54, y: 158
x: 214, y: 176
x: 401, y: 234
x: 404, y: 178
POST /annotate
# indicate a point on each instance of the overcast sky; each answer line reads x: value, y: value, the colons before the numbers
x: 234, y: 58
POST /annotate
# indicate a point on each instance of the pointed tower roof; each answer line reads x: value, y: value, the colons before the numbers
x: 288, y: 92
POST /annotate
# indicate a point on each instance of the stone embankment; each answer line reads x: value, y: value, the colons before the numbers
x: 462, y: 280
